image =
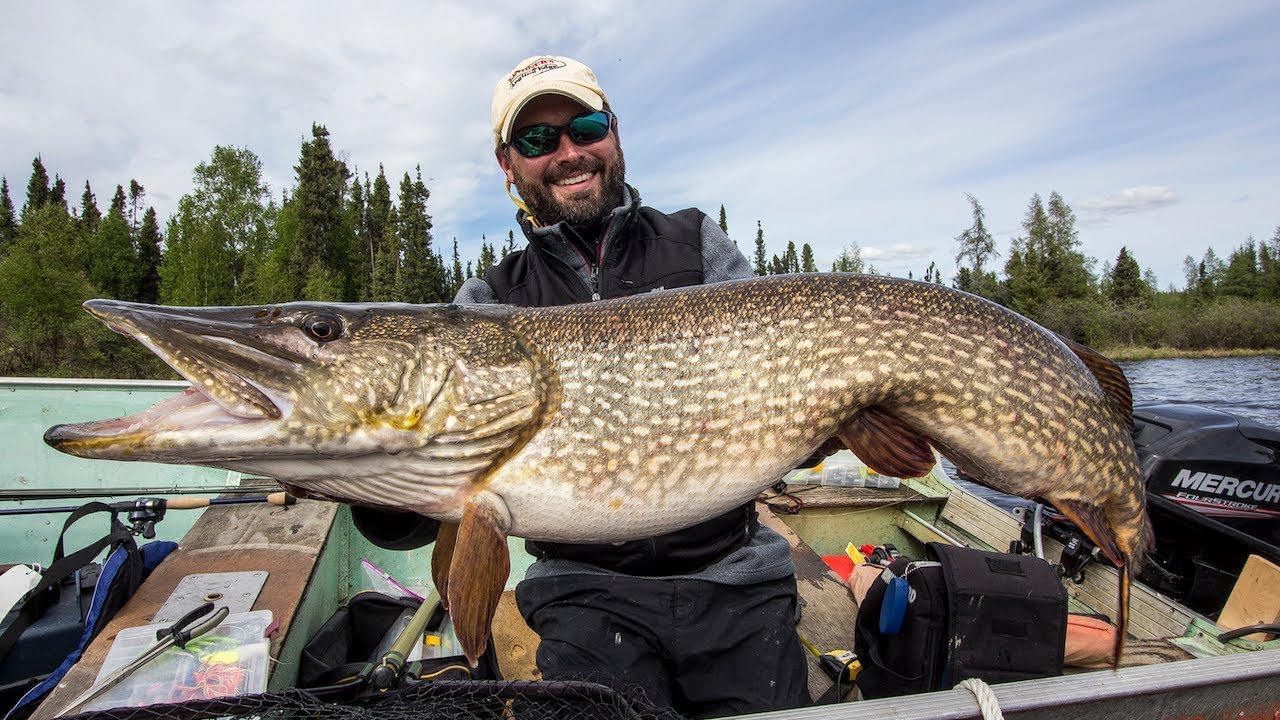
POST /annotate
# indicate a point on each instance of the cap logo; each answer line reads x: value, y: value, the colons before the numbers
x: 540, y: 65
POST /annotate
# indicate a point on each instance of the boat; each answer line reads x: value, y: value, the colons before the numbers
x: 309, y: 559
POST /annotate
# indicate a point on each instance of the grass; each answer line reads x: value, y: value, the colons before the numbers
x: 1127, y: 353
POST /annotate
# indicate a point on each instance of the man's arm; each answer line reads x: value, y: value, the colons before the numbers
x: 475, y: 291
x: 721, y: 259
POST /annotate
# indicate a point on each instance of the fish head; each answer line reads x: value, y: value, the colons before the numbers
x: 323, y: 396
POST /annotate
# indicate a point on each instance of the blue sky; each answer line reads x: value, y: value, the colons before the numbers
x: 830, y: 123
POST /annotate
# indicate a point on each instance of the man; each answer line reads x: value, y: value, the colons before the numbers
x: 703, y: 619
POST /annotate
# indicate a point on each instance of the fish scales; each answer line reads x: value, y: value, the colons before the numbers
x: 628, y: 418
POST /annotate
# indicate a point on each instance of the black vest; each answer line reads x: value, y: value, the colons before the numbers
x: 651, y: 251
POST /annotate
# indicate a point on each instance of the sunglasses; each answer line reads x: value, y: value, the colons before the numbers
x: 538, y: 140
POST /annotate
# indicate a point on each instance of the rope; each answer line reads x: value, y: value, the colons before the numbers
x: 985, y: 696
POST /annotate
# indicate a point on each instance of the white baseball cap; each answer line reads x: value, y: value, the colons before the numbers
x: 541, y: 75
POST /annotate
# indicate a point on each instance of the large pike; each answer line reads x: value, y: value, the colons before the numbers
x: 629, y: 418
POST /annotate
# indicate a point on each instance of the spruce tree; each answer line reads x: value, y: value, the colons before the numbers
x: 422, y: 276
x: 90, y: 215
x: 1240, y: 277
x: 487, y: 257
x: 113, y: 263
x: 807, y: 263
x: 321, y: 250
x: 850, y: 260
x: 724, y: 224
x: 790, y: 259
x: 8, y: 221
x: 761, y: 265
x: 977, y: 246
x: 457, y: 270
x: 58, y: 193
x: 385, y: 242
x: 37, y: 187
x: 1124, y: 282
x: 149, y: 258
x: 362, y: 246
x: 136, y: 194
x: 1067, y: 269
x: 510, y: 247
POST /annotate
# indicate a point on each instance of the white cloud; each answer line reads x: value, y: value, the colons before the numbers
x: 1131, y: 200
x: 830, y: 122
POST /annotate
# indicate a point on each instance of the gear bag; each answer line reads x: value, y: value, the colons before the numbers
x: 961, y: 613
x: 342, y: 648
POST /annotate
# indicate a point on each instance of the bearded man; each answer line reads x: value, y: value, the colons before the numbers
x: 702, y: 619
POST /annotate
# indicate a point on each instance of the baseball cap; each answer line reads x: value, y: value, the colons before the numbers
x: 540, y: 75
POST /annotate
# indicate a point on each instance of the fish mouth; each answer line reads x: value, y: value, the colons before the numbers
x: 240, y: 375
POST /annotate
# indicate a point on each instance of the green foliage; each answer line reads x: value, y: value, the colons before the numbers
x: 41, y: 323
x: 114, y: 270
x: 850, y: 260
x: 456, y: 278
x: 218, y: 240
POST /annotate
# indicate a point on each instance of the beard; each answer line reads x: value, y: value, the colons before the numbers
x: 582, y: 208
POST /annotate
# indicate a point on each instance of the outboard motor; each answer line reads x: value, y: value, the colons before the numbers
x: 1213, y: 492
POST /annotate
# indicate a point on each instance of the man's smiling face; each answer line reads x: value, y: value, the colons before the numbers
x: 578, y: 183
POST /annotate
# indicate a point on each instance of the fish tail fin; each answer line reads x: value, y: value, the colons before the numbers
x: 1122, y: 627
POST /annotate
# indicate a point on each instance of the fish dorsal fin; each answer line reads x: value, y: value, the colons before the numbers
x: 887, y: 444
x: 1109, y: 376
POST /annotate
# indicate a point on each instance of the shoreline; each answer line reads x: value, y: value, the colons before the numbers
x: 1130, y: 353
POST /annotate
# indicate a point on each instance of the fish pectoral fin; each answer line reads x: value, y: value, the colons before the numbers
x: 887, y: 444
x: 442, y: 559
x: 478, y: 573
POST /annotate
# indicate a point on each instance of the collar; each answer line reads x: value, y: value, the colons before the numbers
x: 552, y: 238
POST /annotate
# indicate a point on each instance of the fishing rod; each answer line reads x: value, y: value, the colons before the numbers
x: 96, y: 492
x: 144, y: 513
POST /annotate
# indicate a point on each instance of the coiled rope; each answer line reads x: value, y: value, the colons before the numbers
x: 985, y: 696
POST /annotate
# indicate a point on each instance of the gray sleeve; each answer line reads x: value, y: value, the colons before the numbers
x: 475, y: 291
x: 721, y: 259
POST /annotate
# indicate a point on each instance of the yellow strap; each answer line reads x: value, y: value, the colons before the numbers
x: 533, y: 219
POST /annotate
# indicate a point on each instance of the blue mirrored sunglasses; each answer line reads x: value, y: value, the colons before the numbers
x: 538, y: 140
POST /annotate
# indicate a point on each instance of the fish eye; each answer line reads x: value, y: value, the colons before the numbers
x: 322, y: 327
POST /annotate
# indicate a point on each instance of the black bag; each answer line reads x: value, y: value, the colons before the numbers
x: 342, y: 648
x: 962, y: 613
x: 48, y: 630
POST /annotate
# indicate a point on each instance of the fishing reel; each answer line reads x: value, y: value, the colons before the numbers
x: 1077, y: 550
x: 144, y: 513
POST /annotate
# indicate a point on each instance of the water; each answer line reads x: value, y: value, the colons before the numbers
x: 1248, y: 387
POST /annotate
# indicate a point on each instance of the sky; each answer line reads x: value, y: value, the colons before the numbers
x: 829, y: 123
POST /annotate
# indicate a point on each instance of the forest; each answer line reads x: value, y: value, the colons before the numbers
x: 337, y: 235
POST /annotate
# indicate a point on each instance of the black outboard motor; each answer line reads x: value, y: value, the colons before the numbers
x: 1213, y: 492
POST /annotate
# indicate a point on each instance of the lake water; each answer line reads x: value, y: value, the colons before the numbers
x: 1249, y: 387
